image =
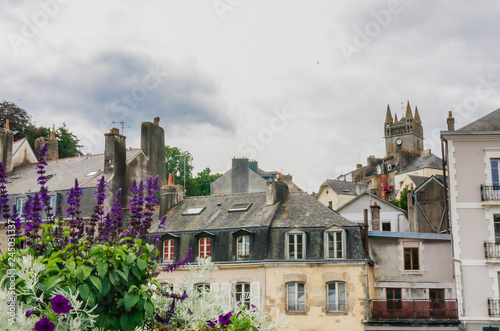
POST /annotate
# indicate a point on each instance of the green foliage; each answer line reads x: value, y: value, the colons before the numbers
x: 19, y: 119
x: 67, y: 143
x: 195, y: 186
x: 203, y: 180
x: 402, y: 202
x: 113, y: 280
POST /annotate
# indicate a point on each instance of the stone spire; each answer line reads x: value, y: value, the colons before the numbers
x: 417, y: 116
x: 388, y: 115
x: 395, y: 118
x: 408, y: 115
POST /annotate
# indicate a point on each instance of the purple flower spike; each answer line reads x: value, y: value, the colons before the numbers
x: 60, y: 304
x: 211, y: 323
x: 44, y: 325
x: 225, y: 319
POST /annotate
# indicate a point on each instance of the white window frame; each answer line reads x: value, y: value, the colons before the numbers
x: 244, y: 294
x: 295, y: 233
x: 204, y: 247
x: 295, y: 298
x: 338, y: 300
x: 243, y: 248
x: 171, y: 244
x: 335, y: 230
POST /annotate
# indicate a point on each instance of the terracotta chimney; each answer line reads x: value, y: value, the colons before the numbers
x: 157, y: 121
x: 7, y: 124
x: 171, y: 179
x: 451, y: 121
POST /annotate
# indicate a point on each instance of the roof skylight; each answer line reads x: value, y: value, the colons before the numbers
x: 240, y: 207
x: 193, y: 211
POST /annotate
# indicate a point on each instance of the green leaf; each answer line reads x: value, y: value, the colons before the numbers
x: 138, y: 316
x: 84, y: 291
x: 79, y: 273
x: 142, y: 264
x: 52, y: 281
x: 137, y: 272
x: 148, y: 306
x: 130, y: 258
x: 106, y: 286
x: 125, y: 239
x: 71, y: 266
x: 130, y: 300
x: 125, y: 268
x: 121, y: 273
x: 127, y: 322
x: 97, y: 282
x: 113, y: 277
x: 52, y: 262
x: 120, y: 302
x: 138, y: 242
x: 86, y: 271
x: 102, y: 268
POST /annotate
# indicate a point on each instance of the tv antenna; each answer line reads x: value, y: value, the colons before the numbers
x: 123, y: 126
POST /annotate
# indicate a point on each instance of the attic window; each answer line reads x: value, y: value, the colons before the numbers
x: 240, y: 207
x: 345, y: 190
x: 92, y: 173
x: 193, y: 211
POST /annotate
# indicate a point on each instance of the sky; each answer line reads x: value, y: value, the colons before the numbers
x: 300, y: 86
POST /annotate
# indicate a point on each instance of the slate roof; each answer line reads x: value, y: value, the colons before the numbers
x: 418, y: 180
x: 62, y: 173
x: 430, y: 161
x: 374, y: 197
x: 300, y: 210
x: 303, y: 210
x: 490, y: 122
x: 341, y: 187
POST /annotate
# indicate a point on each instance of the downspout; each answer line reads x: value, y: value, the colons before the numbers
x: 367, y: 290
x: 444, y: 145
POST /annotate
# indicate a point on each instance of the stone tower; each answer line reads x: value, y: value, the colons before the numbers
x: 405, y: 134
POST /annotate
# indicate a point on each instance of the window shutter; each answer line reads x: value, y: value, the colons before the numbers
x: 226, y: 292
x: 255, y: 294
x: 214, y: 288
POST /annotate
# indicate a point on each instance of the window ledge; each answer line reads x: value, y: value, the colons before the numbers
x: 412, y: 272
x: 297, y: 313
x: 336, y: 313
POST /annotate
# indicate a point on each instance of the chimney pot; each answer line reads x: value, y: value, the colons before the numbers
x: 114, y: 130
x: 157, y: 120
x: 7, y: 124
x: 52, y: 135
x: 171, y: 179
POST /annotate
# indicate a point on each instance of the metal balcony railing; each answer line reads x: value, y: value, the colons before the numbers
x: 490, y: 192
x: 493, y: 307
x: 436, y: 309
x: 491, y: 250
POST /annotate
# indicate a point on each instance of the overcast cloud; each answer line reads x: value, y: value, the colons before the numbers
x: 301, y: 86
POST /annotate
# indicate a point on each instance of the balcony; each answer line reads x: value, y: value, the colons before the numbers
x: 494, y: 307
x: 417, y: 310
x: 492, y: 250
x: 490, y: 193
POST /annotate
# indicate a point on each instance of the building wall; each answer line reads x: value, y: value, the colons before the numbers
x: 336, y: 199
x: 223, y: 184
x: 24, y: 155
x: 354, y: 212
x: 315, y: 278
x: 472, y: 225
x: 426, y: 172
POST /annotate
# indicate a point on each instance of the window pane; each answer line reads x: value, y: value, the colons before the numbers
x: 341, y: 296
x: 332, y: 296
x: 301, y: 297
x: 299, y: 246
x: 494, y: 172
x: 291, y: 296
x: 415, y: 258
x: 496, y: 224
x: 291, y: 246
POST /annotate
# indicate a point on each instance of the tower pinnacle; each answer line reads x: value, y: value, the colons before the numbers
x: 408, y: 115
x: 388, y: 116
x: 417, y: 116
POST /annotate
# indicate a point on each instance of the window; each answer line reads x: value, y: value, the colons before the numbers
x: 193, y: 211
x: 386, y: 226
x: 243, y: 248
x: 242, y: 295
x: 330, y: 204
x: 393, y: 296
x: 20, y: 205
x: 168, y: 250
x: 296, y: 246
x: 496, y: 225
x: 335, y: 244
x: 437, y: 304
x: 295, y: 297
x: 202, y: 287
x: 336, y: 296
x: 411, y: 258
x: 494, y: 174
x: 204, y: 247
x: 240, y: 207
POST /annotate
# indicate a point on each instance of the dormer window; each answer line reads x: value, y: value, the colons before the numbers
x: 205, y: 247
x: 295, y: 245
x: 335, y: 243
x: 243, y: 249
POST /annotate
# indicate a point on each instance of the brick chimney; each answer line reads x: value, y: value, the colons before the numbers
x: 171, y: 196
x: 153, y: 145
x: 115, y: 163
x: 450, y: 121
x: 6, y: 141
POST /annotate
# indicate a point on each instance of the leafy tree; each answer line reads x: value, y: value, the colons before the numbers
x: 203, y: 180
x: 402, y: 202
x: 19, y: 119
x: 67, y: 143
x: 32, y: 132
